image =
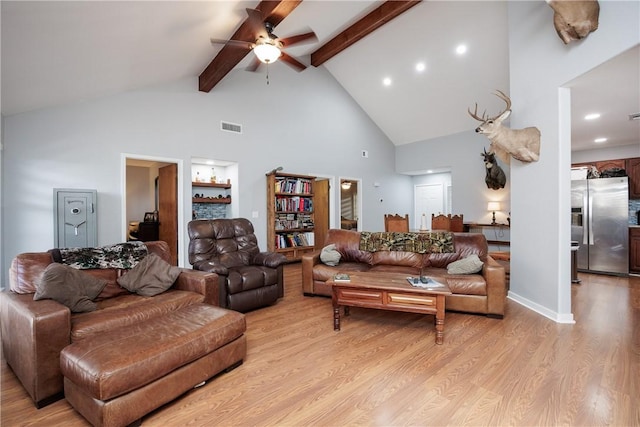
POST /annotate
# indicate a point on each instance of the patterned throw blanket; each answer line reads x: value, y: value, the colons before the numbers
x: 120, y: 255
x: 423, y: 243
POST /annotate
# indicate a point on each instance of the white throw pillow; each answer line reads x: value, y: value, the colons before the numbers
x: 330, y: 255
x: 468, y: 265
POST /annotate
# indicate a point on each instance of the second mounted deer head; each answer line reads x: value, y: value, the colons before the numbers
x: 495, y: 177
x: 574, y: 19
x: 521, y: 144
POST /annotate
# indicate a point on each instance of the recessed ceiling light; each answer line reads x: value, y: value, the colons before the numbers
x: 592, y: 116
x: 421, y: 66
x: 599, y: 140
x: 386, y: 81
x: 461, y: 49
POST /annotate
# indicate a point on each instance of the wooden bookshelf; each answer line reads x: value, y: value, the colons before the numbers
x: 290, y: 214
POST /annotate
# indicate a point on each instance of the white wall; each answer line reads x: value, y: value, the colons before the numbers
x: 304, y: 122
x: 140, y: 192
x: 539, y: 192
x: 540, y: 64
x: 461, y: 154
x: 612, y: 153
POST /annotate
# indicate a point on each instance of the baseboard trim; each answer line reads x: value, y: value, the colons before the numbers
x: 544, y: 311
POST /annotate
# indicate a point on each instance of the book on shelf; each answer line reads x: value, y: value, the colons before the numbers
x: 341, y: 277
x: 310, y: 237
x: 292, y: 185
x: 424, y: 282
x: 292, y: 240
x: 293, y: 204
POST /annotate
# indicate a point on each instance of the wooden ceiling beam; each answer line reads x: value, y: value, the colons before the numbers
x: 273, y: 11
x: 365, y: 26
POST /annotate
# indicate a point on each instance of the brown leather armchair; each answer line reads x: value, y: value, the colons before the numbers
x: 249, y: 278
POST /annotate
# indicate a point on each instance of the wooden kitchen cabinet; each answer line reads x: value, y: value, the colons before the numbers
x: 583, y: 164
x: 610, y: 164
x: 634, y: 250
x: 602, y: 165
x: 633, y: 170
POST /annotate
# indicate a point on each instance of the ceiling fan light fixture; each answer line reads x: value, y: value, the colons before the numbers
x: 267, y: 51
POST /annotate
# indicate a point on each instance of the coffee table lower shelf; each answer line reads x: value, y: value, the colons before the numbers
x: 390, y: 294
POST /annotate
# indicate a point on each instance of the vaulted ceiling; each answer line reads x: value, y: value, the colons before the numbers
x: 56, y: 53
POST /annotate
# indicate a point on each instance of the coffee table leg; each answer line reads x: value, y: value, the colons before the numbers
x: 439, y: 330
x: 440, y: 300
x: 336, y: 317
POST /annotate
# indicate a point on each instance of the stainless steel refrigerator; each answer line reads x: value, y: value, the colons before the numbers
x: 600, y: 224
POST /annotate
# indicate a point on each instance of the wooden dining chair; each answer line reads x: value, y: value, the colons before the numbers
x: 396, y: 223
x: 440, y: 222
x: 456, y: 224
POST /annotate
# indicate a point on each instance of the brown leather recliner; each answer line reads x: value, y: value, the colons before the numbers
x: 249, y: 278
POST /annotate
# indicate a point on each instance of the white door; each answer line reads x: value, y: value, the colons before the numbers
x: 429, y: 199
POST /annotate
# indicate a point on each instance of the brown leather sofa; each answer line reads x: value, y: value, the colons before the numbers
x: 249, y: 279
x: 484, y: 292
x: 35, y: 332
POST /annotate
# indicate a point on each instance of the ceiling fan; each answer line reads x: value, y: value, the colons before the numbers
x: 268, y: 47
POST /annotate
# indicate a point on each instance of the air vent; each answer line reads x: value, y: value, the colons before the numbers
x: 635, y: 116
x: 231, y: 127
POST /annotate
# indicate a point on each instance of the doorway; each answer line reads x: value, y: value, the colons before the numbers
x: 432, y: 195
x: 350, y: 204
x: 155, y: 184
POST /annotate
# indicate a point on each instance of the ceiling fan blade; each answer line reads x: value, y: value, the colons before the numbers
x: 256, y: 21
x: 255, y: 64
x: 233, y: 43
x: 309, y: 37
x: 292, y: 62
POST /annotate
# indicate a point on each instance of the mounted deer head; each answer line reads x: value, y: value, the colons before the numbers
x: 495, y: 177
x: 521, y: 144
x: 574, y: 19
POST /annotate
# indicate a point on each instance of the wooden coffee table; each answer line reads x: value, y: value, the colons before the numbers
x: 388, y: 291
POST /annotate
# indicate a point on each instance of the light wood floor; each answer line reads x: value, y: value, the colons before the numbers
x: 384, y: 369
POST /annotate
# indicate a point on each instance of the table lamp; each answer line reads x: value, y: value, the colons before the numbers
x: 493, y: 207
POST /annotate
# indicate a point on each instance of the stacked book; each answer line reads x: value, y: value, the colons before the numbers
x: 292, y: 240
x: 295, y: 203
x: 293, y: 185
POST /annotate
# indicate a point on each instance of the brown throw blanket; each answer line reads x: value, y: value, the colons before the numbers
x: 120, y: 255
x: 422, y: 243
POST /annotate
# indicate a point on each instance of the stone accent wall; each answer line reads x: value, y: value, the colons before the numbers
x: 209, y: 211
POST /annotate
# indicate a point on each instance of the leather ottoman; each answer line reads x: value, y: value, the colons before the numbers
x: 116, y: 378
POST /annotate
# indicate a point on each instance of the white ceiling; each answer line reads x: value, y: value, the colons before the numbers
x: 56, y: 53
x: 613, y: 91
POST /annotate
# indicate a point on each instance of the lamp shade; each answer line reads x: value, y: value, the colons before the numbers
x: 493, y: 206
x: 267, y: 52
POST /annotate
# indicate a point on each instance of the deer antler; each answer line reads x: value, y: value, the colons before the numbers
x: 475, y: 114
x: 484, y: 117
x: 505, y: 98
